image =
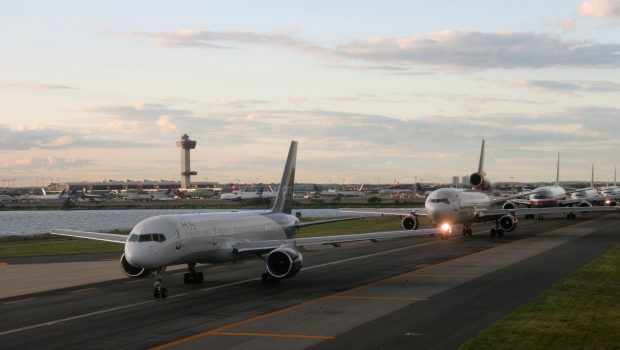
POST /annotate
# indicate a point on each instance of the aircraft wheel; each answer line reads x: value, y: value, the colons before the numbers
x: 465, y: 233
x: 156, y: 293
x: 500, y: 233
x: 164, y: 292
x: 201, y: 277
x: 493, y: 232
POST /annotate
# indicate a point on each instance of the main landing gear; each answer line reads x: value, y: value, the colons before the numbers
x: 159, y: 291
x: 467, y: 231
x: 497, y: 231
x: 192, y: 276
x: 572, y: 216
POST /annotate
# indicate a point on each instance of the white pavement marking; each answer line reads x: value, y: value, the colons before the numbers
x: 122, y: 307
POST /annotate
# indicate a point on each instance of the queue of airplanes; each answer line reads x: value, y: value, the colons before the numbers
x: 164, y: 240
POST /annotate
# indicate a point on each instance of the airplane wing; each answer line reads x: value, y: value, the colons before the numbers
x: 518, y: 198
x: 385, y: 211
x: 312, y: 223
x: 481, y: 213
x: 108, y: 237
x: 264, y: 246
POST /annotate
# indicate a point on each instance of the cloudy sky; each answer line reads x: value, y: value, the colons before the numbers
x: 372, y: 90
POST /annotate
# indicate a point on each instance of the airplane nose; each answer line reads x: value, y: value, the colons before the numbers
x: 139, y: 255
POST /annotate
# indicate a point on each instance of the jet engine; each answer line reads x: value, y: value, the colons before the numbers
x: 584, y: 204
x: 132, y: 271
x: 509, y: 205
x: 411, y: 222
x: 284, y: 262
x: 508, y: 223
x: 479, y: 181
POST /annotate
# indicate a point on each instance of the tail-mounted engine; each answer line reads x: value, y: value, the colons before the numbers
x: 132, y: 271
x: 479, y: 182
x: 508, y: 223
x: 411, y: 222
x: 284, y: 262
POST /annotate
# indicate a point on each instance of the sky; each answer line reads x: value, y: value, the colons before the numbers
x: 374, y: 91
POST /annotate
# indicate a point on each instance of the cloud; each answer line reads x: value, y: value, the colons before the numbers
x: 568, y: 86
x: 46, y: 163
x: 165, y: 124
x: 447, y: 48
x: 42, y: 137
x: 51, y: 87
x: 599, y: 8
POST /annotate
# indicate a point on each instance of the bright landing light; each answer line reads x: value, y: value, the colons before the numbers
x: 445, y: 227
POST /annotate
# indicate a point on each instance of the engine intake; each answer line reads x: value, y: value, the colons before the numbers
x: 284, y: 262
x: 411, y: 222
x: 132, y: 271
x: 509, y: 205
x: 508, y: 223
x: 479, y: 181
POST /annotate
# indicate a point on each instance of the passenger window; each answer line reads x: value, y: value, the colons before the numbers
x: 145, y: 238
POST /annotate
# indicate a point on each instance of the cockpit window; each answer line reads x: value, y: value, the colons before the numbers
x: 145, y: 238
x: 133, y: 238
x: 440, y: 200
x: 159, y: 237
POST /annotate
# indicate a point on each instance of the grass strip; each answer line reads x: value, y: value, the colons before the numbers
x: 581, y: 311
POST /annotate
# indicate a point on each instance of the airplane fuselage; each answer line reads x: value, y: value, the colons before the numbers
x: 203, y: 237
x: 454, y: 205
x: 547, y: 196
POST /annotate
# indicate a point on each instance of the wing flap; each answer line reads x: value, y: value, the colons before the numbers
x: 98, y: 236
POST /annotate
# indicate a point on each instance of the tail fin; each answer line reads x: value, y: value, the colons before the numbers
x: 481, y: 163
x: 615, y: 176
x: 418, y: 187
x: 557, y: 172
x: 234, y: 187
x: 284, y: 199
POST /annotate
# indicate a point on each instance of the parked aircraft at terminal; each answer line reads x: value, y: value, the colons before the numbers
x: 451, y: 206
x: 161, y: 241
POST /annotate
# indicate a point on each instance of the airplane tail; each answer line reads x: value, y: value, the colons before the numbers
x: 592, y: 179
x: 260, y: 190
x: 479, y: 180
x: 418, y: 187
x: 481, y: 162
x: 557, y: 172
x: 234, y: 187
x: 284, y: 199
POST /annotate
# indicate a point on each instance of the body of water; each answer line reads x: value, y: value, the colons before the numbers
x: 42, y: 221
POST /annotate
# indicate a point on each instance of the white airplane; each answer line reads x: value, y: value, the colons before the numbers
x: 237, y: 195
x: 317, y: 191
x: 451, y: 206
x: 611, y: 193
x: 165, y: 240
x: 589, y: 194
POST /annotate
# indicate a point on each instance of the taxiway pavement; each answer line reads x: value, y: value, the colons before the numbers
x: 396, y: 293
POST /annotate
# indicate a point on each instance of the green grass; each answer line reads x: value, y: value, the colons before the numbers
x: 580, y: 312
x: 45, y: 245
x: 42, y: 245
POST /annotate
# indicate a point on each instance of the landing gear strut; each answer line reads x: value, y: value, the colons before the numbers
x: 570, y: 216
x: 192, y: 276
x: 497, y: 231
x: 159, y: 291
x: 467, y: 231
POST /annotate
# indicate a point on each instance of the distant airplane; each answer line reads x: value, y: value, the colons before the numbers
x: 611, y: 193
x: 318, y: 192
x: 451, y: 206
x: 554, y: 196
x: 165, y: 240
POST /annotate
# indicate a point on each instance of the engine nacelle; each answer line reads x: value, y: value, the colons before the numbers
x: 479, y: 181
x: 411, y: 222
x: 508, y: 223
x: 509, y: 205
x: 584, y: 204
x: 284, y: 262
x: 132, y: 271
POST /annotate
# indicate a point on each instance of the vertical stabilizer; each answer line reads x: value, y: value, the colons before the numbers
x: 615, y: 185
x: 557, y: 172
x: 481, y: 162
x: 592, y: 179
x: 284, y: 199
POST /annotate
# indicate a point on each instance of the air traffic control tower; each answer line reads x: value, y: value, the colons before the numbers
x: 185, y: 144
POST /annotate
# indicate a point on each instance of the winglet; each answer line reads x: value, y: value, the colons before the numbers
x: 284, y: 199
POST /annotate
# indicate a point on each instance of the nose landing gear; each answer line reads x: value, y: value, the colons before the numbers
x: 497, y: 231
x: 159, y: 291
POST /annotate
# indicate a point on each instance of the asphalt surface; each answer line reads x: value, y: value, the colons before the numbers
x: 358, y: 296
